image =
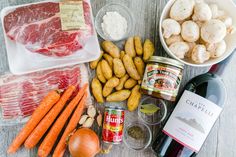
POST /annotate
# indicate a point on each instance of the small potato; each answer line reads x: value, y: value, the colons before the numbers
x: 138, y: 62
x: 97, y: 90
x: 94, y: 64
x: 106, y: 69
x: 109, y: 59
x: 148, y: 49
x: 118, y: 68
x: 110, y: 84
x: 130, y: 83
x: 100, y: 74
x: 122, y: 82
x: 111, y: 48
x: 134, y: 98
x: 122, y: 54
x: 130, y: 67
x: 118, y: 96
x: 129, y: 47
x: 138, y: 45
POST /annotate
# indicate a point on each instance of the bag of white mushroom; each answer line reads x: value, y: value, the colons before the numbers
x: 196, y: 30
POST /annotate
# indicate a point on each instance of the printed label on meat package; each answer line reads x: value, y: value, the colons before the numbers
x: 192, y: 120
x: 72, y: 15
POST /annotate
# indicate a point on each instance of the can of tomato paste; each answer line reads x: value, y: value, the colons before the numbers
x: 113, y: 124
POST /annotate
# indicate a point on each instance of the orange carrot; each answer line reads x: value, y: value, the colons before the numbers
x: 46, y: 122
x: 61, y: 146
x: 50, y: 139
x: 44, y: 106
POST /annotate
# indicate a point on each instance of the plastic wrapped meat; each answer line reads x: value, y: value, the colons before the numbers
x: 20, y: 95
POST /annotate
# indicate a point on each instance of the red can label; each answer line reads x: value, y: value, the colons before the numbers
x: 113, y: 125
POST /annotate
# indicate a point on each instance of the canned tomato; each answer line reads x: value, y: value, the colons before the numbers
x: 113, y: 125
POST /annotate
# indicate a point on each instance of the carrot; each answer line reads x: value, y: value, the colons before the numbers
x: 46, y: 122
x: 44, y: 106
x: 61, y: 146
x: 50, y: 139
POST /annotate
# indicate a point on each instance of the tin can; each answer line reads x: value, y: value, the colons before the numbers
x: 113, y: 125
x: 162, y: 78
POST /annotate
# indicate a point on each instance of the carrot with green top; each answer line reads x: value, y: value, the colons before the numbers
x: 44, y: 106
x: 46, y: 122
x: 50, y: 139
x: 61, y: 146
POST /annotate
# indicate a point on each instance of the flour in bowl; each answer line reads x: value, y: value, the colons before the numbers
x: 114, y: 25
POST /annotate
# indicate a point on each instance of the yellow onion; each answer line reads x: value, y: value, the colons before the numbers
x: 84, y: 143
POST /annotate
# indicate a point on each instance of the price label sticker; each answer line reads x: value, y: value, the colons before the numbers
x: 72, y: 15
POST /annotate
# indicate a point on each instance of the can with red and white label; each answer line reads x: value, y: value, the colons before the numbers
x: 113, y: 125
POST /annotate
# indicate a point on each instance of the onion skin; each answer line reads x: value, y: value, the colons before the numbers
x: 84, y: 143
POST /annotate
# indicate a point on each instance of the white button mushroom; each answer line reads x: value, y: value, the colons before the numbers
x: 202, y: 12
x: 199, y: 54
x: 199, y: 1
x: 231, y: 30
x: 179, y: 49
x: 170, y: 27
x: 216, y: 49
x: 191, y: 46
x: 173, y: 39
x: 182, y: 9
x: 228, y: 21
x: 213, y: 31
x: 199, y: 23
x: 190, y: 31
x: 216, y: 13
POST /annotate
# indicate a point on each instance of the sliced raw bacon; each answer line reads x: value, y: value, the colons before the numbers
x: 20, y: 95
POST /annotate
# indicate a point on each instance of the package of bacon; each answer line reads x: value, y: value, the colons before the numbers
x: 21, y: 94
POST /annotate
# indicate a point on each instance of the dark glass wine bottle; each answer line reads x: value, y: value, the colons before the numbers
x: 187, y: 127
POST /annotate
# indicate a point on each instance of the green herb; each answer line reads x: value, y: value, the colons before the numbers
x: 136, y: 132
x: 149, y: 108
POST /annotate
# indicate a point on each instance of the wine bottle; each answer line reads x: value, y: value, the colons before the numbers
x: 194, y: 115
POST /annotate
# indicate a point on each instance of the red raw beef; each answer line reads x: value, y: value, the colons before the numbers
x: 38, y: 27
x: 20, y: 95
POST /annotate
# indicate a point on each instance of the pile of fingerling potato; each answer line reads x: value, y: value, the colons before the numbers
x: 119, y: 73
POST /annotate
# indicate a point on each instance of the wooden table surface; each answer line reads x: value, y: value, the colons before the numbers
x: 222, y: 139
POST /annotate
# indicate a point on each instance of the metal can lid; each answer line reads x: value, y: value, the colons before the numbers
x: 114, y: 107
x: 166, y: 61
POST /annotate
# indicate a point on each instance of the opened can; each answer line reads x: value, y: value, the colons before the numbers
x: 113, y: 125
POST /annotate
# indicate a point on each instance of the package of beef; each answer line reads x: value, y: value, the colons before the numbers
x: 34, y: 35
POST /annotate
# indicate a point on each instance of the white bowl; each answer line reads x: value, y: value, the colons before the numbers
x: 229, y: 7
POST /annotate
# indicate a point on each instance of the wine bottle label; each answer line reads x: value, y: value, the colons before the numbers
x: 192, y: 120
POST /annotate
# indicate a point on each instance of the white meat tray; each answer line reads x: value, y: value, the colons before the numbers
x: 22, y: 61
